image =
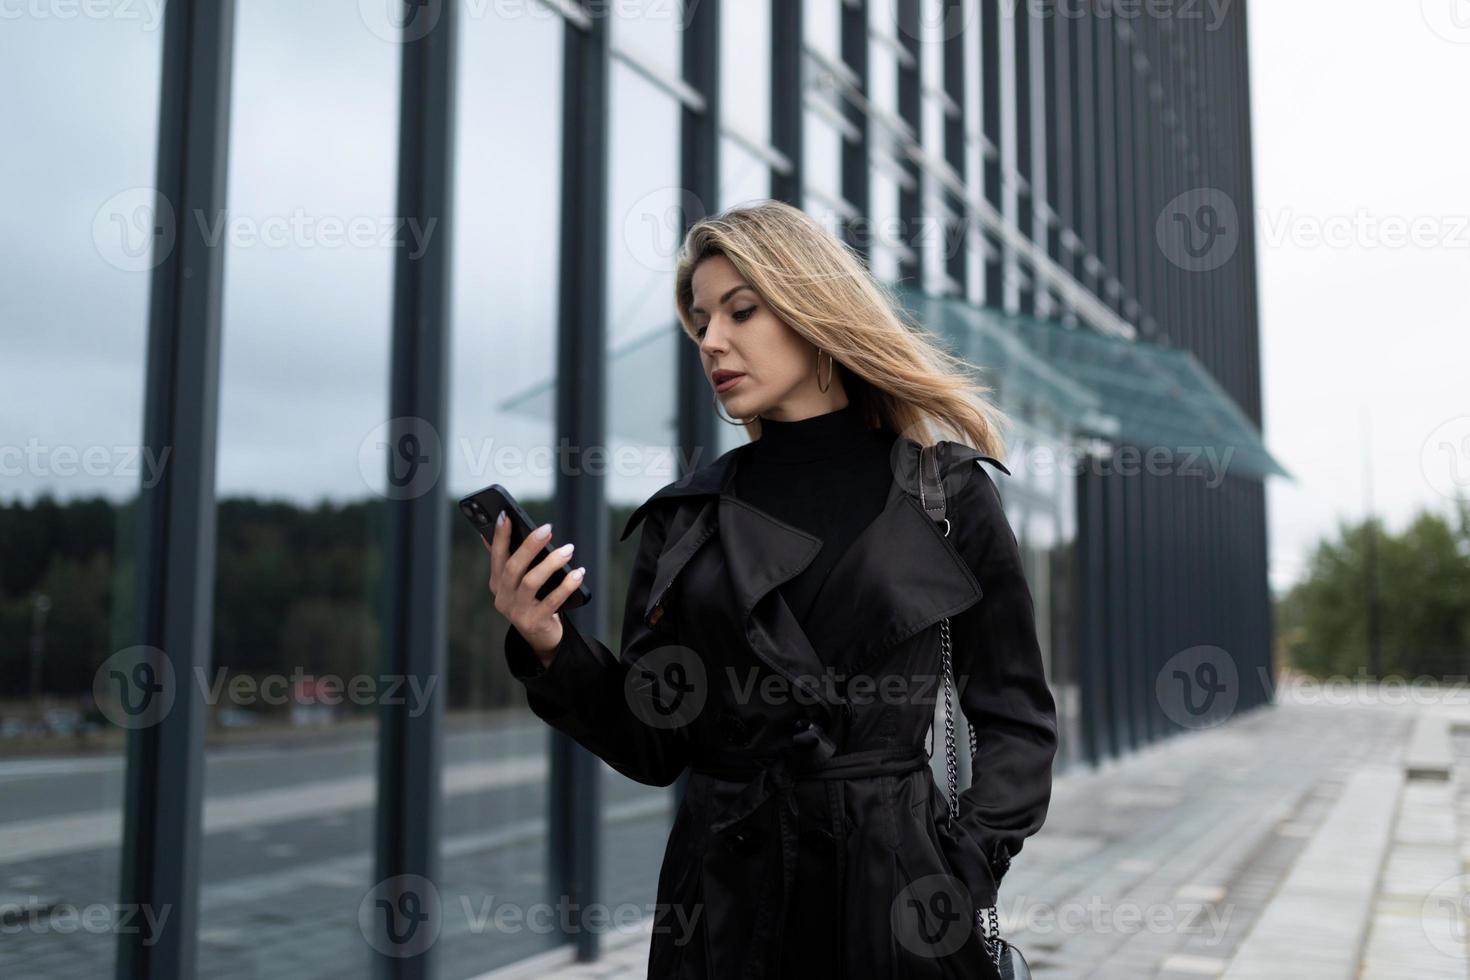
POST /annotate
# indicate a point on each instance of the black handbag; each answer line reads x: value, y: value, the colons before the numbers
x: 1007, y: 958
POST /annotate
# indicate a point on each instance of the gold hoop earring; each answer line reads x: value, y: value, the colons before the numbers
x: 724, y: 418
x: 830, y: 365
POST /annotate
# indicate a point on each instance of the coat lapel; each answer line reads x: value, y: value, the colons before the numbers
x: 896, y: 578
x: 691, y: 527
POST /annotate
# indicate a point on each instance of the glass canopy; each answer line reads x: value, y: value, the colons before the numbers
x: 1126, y: 391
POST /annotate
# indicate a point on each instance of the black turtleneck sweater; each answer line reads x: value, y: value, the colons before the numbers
x: 828, y: 475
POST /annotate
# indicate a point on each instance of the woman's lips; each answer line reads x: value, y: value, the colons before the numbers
x: 729, y: 382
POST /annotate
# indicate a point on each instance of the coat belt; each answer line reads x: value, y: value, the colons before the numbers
x: 813, y: 756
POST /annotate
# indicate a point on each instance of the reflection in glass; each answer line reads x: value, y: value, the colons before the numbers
x: 823, y: 26
x: 745, y: 69
x: 744, y: 177
x: 644, y: 235
x: 507, y: 198
x: 649, y: 30
x: 823, y: 175
x: 74, y: 285
x: 291, y: 747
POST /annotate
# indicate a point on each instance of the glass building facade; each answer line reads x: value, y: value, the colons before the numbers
x: 286, y: 280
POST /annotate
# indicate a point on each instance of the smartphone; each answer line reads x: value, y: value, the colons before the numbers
x: 481, y: 507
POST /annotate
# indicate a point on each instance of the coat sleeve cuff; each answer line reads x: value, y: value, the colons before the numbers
x: 968, y: 858
x: 548, y: 688
x: 521, y: 659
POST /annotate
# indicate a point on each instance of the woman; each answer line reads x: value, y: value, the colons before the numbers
x: 781, y: 635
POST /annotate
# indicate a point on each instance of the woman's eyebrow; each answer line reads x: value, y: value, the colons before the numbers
x: 728, y: 293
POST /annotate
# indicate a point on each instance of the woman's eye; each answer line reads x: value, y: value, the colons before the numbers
x: 740, y: 315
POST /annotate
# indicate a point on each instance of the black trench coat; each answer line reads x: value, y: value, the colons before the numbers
x: 812, y: 839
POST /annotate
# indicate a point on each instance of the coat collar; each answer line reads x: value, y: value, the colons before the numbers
x: 716, y: 478
x: 858, y: 612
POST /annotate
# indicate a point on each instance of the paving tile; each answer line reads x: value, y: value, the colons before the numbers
x: 1280, y: 825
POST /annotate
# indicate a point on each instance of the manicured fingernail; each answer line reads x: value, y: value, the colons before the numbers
x: 565, y: 549
x: 544, y: 531
x: 577, y: 573
x: 500, y: 518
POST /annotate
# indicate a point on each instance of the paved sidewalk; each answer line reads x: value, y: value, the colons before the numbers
x: 1296, y: 842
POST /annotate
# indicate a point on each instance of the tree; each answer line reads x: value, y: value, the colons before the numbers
x: 1423, y: 594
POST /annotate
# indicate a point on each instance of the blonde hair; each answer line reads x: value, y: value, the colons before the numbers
x: 818, y: 285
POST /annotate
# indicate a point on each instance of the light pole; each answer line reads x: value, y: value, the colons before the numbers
x: 1375, y: 654
x: 40, y: 606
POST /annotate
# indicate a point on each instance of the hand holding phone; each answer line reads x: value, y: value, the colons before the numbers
x: 529, y: 582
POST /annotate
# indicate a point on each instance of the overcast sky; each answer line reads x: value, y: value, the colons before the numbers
x: 1360, y: 133
x: 1361, y: 142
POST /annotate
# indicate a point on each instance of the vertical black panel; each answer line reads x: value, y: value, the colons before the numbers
x: 1238, y: 597
x: 1257, y: 587
x: 1179, y: 104
x: 1023, y: 27
x: 1164, y: 108
x: 1250, y: 289
x: 1157, y: 39
x: 1084, y: 117
x: 1215, y: 174
x: 410, y: 752
x: 700, y: 174
x: 1253, y: 569
x: 990, y: 127
x: 1091, y: 646
x: 176, y: 529
x: 856, y: 154
x: 581, y: 404
x: 911, y: 111
x: 1260, y: 582
x: 1214, y: 570
x: 1177, y: 589
x: 1193, y: 568
x: 1123, y: 89
x: 1144, y: 248
x: 1117, y: 610
x: 1056, y: 70
x: 1205, y: 561
x: 1178, y: 310
x: 1179, y: 148
x: 1172, y: 597
x: 1234, y: 573
x: 1194, y: 108
x: 1139, y: 693
x: 699, y: 132
x: 1105, y: 188
x: 1150, y: 639
x: 786, y: 101
x: 1153, y: 150
x: 956, y: 238
x: 1229, y: 599
x: 1241, y: 592
x: 1227, y: 613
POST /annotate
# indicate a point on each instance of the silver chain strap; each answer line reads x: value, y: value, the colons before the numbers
x: 987, y: 920
x: 949, y: 753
